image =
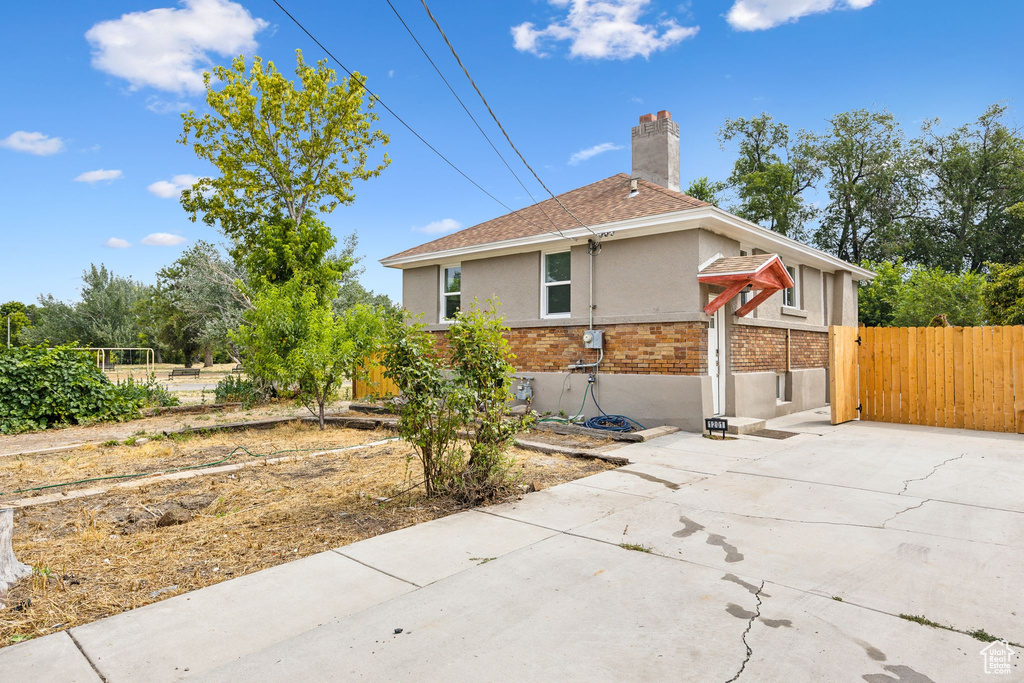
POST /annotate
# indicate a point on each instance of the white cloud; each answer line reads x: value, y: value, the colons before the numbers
x: 756, y: 15
x: 590, y: 152
x: 32, y: 143
x: 441, y: 227
x: 117, y: 243
x: 603, y: 29
x: 159, y: 105
x: 168, y: 48
x: 163, y: 239
x: 98, y: 175
x: 174, y: 186
x: 391, y: 73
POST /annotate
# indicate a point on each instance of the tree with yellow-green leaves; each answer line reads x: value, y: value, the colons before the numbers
x: 286, y: 151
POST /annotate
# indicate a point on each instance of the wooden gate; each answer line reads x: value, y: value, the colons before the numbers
x: 842, y: 376
x: 963, y: 377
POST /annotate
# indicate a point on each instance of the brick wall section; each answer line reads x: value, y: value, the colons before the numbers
x: 679, y: 348
x: 763, y: 349
x: 808, y: 349
x: 757, y: 349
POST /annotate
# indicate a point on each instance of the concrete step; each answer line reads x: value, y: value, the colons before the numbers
x: 744, y: 425
x: 655, y: 432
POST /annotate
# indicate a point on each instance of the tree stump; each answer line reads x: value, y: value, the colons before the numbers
x: 10, y: 569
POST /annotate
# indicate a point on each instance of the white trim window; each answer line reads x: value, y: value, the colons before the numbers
x: 451, y: 292
x: 791, y: 295
x: 556, y: 285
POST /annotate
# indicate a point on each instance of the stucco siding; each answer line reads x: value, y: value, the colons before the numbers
x: 421, y: 292
x: 513, y: 280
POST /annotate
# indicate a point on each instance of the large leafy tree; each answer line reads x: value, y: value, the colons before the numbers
x: 1004, y: 294
x: 872, y: 185
x: 975, y: 175
x: 285, y: 152
x: 902, y: 296
x: 771, y: 173
x: 105, y: 315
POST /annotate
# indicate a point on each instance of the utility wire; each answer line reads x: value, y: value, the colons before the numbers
x: 494, y: 116
x: 473, y: 118
x: 400, y: 119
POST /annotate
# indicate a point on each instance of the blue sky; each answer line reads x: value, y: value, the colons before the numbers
x: 564, y: 78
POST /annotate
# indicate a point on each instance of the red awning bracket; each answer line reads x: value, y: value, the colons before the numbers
x: 764, y: 272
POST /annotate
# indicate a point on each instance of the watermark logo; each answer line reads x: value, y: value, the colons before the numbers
x: 997, y: 656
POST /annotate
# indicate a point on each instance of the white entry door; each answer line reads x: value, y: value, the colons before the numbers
x: 716, y: 342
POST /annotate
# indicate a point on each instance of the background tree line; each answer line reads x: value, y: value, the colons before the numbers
x: 939, y: 216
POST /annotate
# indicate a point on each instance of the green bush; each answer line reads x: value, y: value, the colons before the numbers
x: 44, y: 387
x: 148, y: 393
x: 247, y: 391
x: 444, y: 398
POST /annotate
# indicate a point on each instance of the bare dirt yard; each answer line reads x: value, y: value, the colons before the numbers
x: 103, y: 554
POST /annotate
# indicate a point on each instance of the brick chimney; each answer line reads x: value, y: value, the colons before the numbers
x: 656, y: 150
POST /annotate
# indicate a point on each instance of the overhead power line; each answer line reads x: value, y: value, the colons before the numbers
x: 401, y: 120
x: 470, y: 115
x: 495, y: 117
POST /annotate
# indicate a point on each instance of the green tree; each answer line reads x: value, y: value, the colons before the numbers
x: 975, y: 176
x: 706, y: 190
x: 284, y: 153
x: 105, y: 315
x: 351, y: 291
x: 1003, y: 294
x: 771, y: 174
x: 293, y: 339
x: 872, y: 185
x: 14, y: 318
x: 911, y: 297
x: 929, y: 292
x: 878, y: 299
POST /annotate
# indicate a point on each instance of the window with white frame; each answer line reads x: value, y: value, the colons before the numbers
x: 451, y: 291
x: 556, y: 294
x: 791, y: 296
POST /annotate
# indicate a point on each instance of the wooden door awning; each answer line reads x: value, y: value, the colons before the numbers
x: 764, y: 272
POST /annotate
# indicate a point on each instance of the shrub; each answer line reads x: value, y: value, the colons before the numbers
x: 43, y: 387
x: 245, y: 390
x: 481, y: 360
x: 443, y: 398
x: 432, y: 410
x: 148, y: 393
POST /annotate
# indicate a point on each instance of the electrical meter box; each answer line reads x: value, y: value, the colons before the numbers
x: 593, y: 339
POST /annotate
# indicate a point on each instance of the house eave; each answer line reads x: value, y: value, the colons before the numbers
x: 710, y: 218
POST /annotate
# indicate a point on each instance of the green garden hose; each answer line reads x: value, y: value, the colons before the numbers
x: 569, y: 420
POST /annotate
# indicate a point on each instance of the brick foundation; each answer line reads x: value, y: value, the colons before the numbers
x: 679, y: 348
x: 763, y: 349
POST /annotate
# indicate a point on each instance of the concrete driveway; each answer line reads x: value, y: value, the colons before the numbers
x: 753, y: 559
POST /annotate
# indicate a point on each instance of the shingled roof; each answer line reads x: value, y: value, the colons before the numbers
x: 738, y: 264
x: 605, y: 201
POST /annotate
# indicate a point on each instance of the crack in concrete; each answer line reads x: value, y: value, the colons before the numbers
x: 912, y: 507
x: 907, y: 482
x: 750, y: 652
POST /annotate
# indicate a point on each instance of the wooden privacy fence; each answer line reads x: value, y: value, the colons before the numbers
x: 375, y: 383
x: 965, y: 377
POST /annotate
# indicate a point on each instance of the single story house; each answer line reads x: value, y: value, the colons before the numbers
x: 674, y: 309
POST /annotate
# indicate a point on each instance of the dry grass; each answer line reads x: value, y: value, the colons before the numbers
x: 100, y: 556
x: 21, y: 472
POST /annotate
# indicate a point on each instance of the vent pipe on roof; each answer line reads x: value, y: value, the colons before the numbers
x: 656, y: 150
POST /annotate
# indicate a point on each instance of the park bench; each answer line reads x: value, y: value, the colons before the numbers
x: 238, y: 368
x: 184, y: 372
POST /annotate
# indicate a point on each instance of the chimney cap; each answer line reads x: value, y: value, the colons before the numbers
x: 646, y: 118
x: 664, y: 114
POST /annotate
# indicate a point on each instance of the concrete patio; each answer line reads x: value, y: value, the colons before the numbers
x: 753, y: 559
